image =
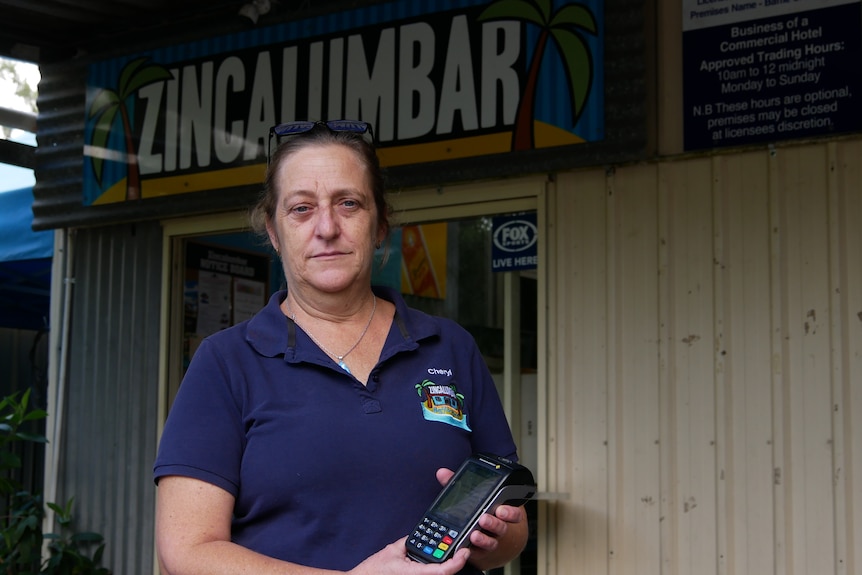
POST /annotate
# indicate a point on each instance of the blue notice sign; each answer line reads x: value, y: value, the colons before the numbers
x: 770, y: 70
x: 514, y: 243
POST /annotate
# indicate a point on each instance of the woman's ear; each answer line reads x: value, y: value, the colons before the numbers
x: 273, y: 237
x: 382, y: 232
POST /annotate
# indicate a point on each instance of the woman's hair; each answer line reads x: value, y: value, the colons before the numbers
x: 319, y: 135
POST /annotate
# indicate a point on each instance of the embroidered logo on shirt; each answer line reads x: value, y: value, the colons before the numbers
x: 442, y: 403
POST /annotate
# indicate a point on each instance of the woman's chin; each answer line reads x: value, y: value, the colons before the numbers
x: 335, y: 282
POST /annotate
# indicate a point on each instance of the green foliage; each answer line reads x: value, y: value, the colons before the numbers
x: 9, y: 72
x: 21, y: 536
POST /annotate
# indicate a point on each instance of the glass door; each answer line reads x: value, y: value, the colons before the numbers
x: 446, y: 268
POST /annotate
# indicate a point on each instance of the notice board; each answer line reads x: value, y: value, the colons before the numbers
x: 222, y: 287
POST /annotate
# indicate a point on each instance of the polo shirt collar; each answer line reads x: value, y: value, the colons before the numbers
x: 269, y: 334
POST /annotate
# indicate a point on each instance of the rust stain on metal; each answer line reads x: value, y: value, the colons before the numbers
x: 689, y: 504
x: 811, y: 322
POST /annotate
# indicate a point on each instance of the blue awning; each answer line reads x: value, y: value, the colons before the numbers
x: 25, y: 264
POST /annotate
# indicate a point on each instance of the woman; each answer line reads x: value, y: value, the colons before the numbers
x: 299, y: 441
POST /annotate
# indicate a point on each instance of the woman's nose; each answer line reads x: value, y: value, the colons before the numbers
x: 327, y: 225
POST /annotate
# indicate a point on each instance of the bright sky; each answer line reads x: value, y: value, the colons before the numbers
x: 13, y: 177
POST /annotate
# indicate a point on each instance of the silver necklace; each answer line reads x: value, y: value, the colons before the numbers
x: 339, y: 358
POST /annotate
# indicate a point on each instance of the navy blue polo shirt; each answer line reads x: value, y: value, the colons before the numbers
x: 326, y: 471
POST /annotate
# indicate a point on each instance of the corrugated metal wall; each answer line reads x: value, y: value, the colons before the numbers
x: 705, y: 387
x: 111, y: 412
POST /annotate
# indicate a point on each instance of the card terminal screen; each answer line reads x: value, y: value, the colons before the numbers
x: 461, y: 502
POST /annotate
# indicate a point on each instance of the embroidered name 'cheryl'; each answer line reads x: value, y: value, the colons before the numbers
x: 435, y: 371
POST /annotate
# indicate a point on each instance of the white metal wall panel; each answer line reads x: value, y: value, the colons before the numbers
x: 705, y: 401
x: 633, y: 382
x: 578, y: 425
x: 743, y: 372
x: 686, y: 400
x: 803, y: 406
x: 845, y: 213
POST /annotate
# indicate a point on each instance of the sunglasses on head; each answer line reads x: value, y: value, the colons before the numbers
x: 301, y: 127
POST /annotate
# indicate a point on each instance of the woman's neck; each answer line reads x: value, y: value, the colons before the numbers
x: 330, y: 307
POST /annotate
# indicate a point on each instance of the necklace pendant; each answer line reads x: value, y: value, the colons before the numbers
x: 339, y: 358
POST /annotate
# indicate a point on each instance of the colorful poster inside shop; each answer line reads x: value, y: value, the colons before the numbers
x: 437, y: 80
x: 414, y: 260
x: 423, y: 260
x: 770, y: 70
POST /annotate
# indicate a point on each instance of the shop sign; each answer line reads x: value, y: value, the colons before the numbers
x: 438, y: 81
x: 770, y: 70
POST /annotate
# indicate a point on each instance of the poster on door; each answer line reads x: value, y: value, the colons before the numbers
x: 514, y: 243
x: 423, y: 260
x: 413, y: 260
x: 222, y: 287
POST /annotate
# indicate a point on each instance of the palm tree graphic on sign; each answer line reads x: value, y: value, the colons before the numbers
x: 566, y: 26
x: 105, y: 107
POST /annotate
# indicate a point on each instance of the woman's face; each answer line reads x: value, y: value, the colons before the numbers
x: 325, y: 222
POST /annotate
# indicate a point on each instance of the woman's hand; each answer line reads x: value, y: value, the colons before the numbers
x: 501, y: 537
x: 393, y: 560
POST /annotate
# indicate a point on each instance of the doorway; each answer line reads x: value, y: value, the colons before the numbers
x: 439, y: 254
x: 446, y: 269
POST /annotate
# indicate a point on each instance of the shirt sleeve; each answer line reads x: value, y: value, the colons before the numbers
x: 203, y: 436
